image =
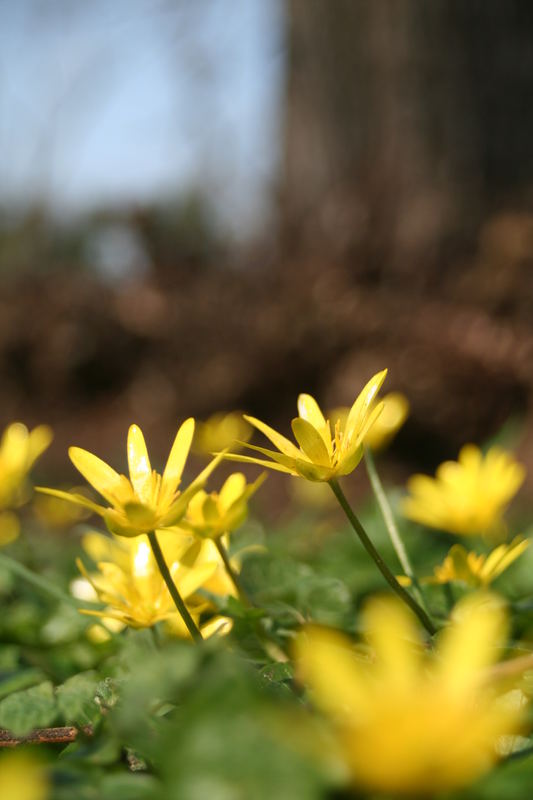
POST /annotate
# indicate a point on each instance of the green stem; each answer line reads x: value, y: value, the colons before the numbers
x: 173, y: 589
x: 232, y: 574
x: 373, y: 553
x: 43, y: 584
x: 390, y: 524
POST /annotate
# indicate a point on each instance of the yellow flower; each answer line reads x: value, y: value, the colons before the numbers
x: 147, y: 501
x: 128, y: 580
x: 477, y: 570
x: 22, y: 777
x: 320, y: 456
x: 409, y: 723
x: 467, y: 496
x: 220, y: 431
x: 212, y: 515
x: 19, y: 450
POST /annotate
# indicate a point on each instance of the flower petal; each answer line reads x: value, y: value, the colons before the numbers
x: 283, y: 444
x: 309, y: 410
x: 139, y: 464
x: 362, y: 404
x: 326, y: 661
x: 260, y: 461
x: 311, y: 442
x: 232, y: 489
x: 471, y: 642
x: 39, y: 439
x: 73, y: 497
x: 99, y: 474
x: 179, y: 507
x: 176, y: 460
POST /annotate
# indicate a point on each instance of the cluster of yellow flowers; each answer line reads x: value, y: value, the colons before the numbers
x: 417, y: 715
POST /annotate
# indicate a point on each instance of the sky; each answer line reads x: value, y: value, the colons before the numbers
x: 124, y: 101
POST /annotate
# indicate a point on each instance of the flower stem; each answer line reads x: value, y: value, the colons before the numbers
x: 173, y: 589
x: 232, y: 574
x: 383, y: 568
x: 390, y: 524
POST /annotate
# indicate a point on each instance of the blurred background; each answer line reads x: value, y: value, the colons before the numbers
x: 216, y: 205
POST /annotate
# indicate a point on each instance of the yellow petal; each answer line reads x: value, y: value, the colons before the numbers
x: 99, y: 474
x: 392, y: 632
x: 14, y: 446
x: 232, y: 489
x: 188, y: 580
x: 472, y: 640
x: 283, y: 444
x: 309, y: 410
x: 328, y: 664
x: 177, y: 458
x: 260, y: 462
x: 311, y: 442
x: 103, y: 548
x: 218, y: 626
x: 39, y: 439
x: 139, y: 464
x: 362, y: 404
x: 117, y: 523
x: 178, y: 508
x: 503, y: 556
x: 72, y: 497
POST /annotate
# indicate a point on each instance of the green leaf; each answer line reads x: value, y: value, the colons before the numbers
x: 32, y: 708
x: 20, y: 680
x: 76, y: 699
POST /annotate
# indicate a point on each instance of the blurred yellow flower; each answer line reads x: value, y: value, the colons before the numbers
x: 22, y: 777
x: 467, y: 496
x: 147, y: 501
x: 320, y: 456
x: 389, y: 422
x: 407, y: 722
x: 394, y: 413
x: 221, y: 431
x: 128, y: 580
x: 212, y: 515
x: 476, y: 570
x: 19, y: 450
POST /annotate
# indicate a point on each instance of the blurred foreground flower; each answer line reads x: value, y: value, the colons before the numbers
x: 128, y: 580
x: 320, y: 456
x: 22, y: 777
x: 473, y: 569
x: 147, y: 501
x: 221, y: 431
x: 409, y: 723
x: 19, y: 450
x: 210, y: 516
x: 468, y: 496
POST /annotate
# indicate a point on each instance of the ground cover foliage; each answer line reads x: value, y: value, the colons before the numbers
x: 145, y: 713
